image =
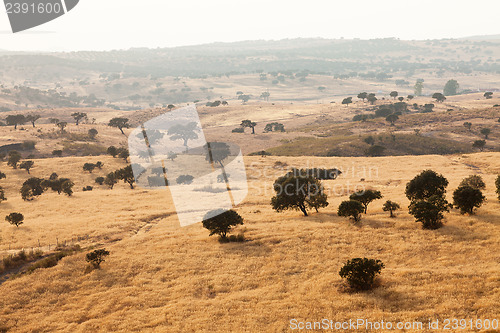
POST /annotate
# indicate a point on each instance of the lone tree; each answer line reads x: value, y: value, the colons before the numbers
x: 96, y: 257
x: 474, y: 181
x: 15, y: 120
x: 485, y: 132
x: 220, y: 221
x: 391, y: 207
x: 249, y: 123
x: 347, y: 101
x: 120, y: 123
x: 32, y: 118
x: 14, y: 158
x: 394, y: 94
x: 78, y: 116
x: 27, y: 165
x: 425, y: 185
x: 127, y: 175
x: 15, y: 219
x: 184, y: 132
x: 439, y: 97
x: 479, y: 144
x: 32, y: 188
x: 467, y: 198
x: 392, y: 118
x: 360, y: 273
x: 298, y: 191
x: 429, y: 211
x: 351, y: 208
x: 451, y: 88
x: 366, y: 197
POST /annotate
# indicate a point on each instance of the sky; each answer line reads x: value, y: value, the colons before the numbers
x: 123, y: 24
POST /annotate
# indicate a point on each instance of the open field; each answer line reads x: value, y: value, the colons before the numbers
x: 161, y: 277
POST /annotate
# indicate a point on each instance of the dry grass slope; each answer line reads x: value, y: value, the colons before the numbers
x: 163, y: 278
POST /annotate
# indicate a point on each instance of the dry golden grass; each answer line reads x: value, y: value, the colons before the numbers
x: 163, y: 278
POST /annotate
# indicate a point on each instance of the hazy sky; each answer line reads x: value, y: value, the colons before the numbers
x: 121, y: 24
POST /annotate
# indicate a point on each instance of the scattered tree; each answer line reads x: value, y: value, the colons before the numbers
x: 425, y: 185
x: 392, y: 118
x: 485, y: 132
x: 15, y: 219
x: 366, y: 197
x: 32, y: 118
x: 78, y: 116
x: 120, y: 123
x: 89, y: 167
x: 110, y: 180
x: 488, y: 95
x: 467, y: 198
x: 363, y: 96
x: 429, y: 211
x: 298, y: 191
x: 391, y: 207
x: 480, y: 144
x: 99, y: 180
x: 220, y: 222
x: 15, y: 120
x: 62, y: 125
x: 474, y: 181
x: 14, y: 158
x: 439, y: 97
x: 394, y: 94
x: 351, y: 208
x: 347, y: 101
x: 360, y: 273
x: 112, y: 150
x: 32, y: 188
x: 250, y: 124
x: 92, y: 133
x: 96, y: 257
x: 184, y: 132
x: 184, y: 179
x: 468, y: 125
x: 27, y: 165
x: 451, y: 88
x: 171, y: 156
x: 127, y: 175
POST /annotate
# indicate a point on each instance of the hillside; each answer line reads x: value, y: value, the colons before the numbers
x: 160, y: 277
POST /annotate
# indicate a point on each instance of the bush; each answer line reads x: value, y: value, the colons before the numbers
x: 425, y: 185
x: 184, y: 179
x: 238, y: 130
x: 220, y: 221
x: 112, y: 150
x: 360, y: 272
x: 474, y: 181
x: 2, y: 194
x: 32, y: 188
x: 99, y: 180
x: 390, y: 206
x: 14, y: 158
x: 351, y: 208
x: 87, y: 188
x: 27, y: 165
x: 28, y: 145
x: 89, y: 167
x: 96, y: 257
x: 15, y: 219
x: 467, y: 198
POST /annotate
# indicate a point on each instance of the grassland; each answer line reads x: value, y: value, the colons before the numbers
x: 161, y: 277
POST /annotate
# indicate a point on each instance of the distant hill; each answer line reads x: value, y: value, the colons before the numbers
x: 483, y: 37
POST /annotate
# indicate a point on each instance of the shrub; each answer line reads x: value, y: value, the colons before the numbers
x: 365, y: 197
x: 87, y: 188
x: 67, y: 187
x: 112, y: 150
x: 238, y: 130
x: 15, y: 219
x: 429, y: 211
x: 28, y: 145
x: 57, y: 152
x: 351, y: 208
x: 89, y: 167
x: 184, y: 179
x: 2, y: 194
x: 110, y: 180
x: 220, y: 221
x: 375, y: 151
x: 474, y: 181
x: 467, y: 198
x: 27, y: 165
x: 92, y: 133
x: 99, y: 180
x: 360, y: 272
x: 298, y: 192
x: 96, y: 257
x: 123, y: 153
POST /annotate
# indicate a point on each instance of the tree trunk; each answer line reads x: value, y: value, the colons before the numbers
x: 303, y: 209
